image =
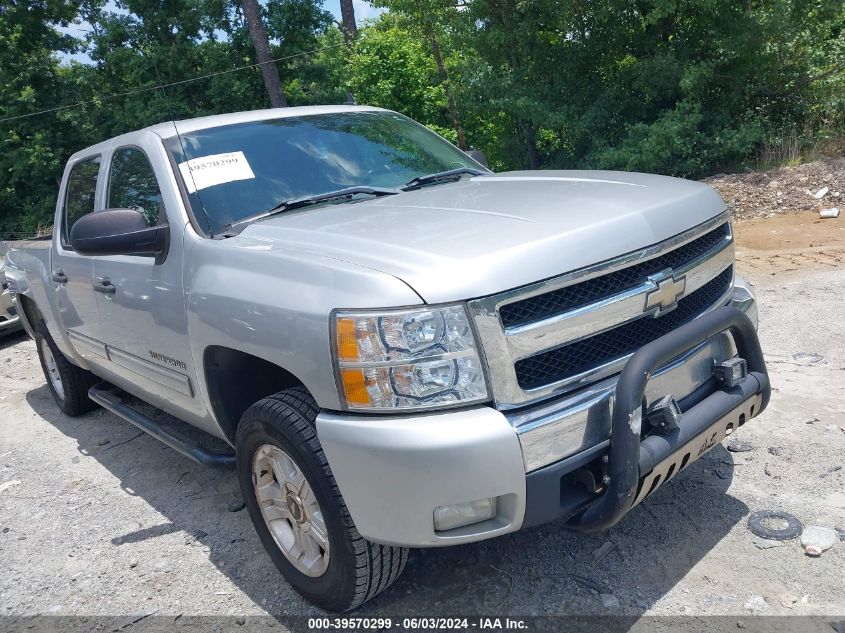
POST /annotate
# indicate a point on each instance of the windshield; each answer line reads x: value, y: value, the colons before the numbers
x: 236, y: 171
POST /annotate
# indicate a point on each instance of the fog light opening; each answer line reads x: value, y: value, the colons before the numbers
x: 462, y: 514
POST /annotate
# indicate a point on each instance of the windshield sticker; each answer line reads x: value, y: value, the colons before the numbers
x: 216, y: 169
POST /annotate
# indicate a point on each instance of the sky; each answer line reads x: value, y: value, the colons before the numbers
x: 363, y: 11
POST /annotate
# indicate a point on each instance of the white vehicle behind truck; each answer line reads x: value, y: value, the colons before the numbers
x: 402, y: 348
x: 9, y: 319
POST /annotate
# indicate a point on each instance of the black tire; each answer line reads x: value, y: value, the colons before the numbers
x: 357, y: 569
x: 757, y: 524
x: 75, y: 381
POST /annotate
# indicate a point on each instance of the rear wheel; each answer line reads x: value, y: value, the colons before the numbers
x: 68, y: 383
x: 298, y: 511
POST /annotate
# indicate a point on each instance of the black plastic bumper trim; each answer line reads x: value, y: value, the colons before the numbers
x: 547, y: 499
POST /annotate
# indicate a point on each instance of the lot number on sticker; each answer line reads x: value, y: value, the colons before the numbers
x: 216, y: 169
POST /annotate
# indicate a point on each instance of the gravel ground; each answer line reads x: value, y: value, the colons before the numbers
x: 784, y: 190
x: 98, y: 519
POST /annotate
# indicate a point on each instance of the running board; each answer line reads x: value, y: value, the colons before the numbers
x: 110, y: 397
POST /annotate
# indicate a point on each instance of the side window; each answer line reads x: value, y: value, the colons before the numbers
x: 133, y: 185
x: 79, y: 198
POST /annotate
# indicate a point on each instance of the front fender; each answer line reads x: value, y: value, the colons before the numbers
x: 263, y: 299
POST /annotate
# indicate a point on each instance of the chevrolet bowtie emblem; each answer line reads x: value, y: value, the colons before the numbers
x: 665, y: 296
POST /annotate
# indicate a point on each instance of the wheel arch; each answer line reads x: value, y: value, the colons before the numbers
x: 29, y: 313
x: 236, y: 380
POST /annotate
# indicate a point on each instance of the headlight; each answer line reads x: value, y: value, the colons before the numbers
x: 412, y: 359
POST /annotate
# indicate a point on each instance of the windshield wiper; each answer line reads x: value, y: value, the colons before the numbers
x: 449, y: 174
x: 307, y: 201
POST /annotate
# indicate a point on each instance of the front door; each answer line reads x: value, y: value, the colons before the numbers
x: 143, y: 312
x: 73, y: 274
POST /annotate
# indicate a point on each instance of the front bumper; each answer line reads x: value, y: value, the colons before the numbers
x: 394, y: 471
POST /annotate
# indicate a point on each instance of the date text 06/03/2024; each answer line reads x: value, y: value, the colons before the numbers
x: 422, y: 623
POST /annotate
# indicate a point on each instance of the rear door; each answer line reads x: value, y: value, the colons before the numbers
x: 73, y: 274
x: 143, y: 316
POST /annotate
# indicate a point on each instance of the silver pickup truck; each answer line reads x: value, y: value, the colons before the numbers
x: 401, y: 347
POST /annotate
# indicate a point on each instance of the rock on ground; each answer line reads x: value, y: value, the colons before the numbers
x: 784, y: 190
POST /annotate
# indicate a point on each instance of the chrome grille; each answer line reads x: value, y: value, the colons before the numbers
x: 558, y: 335
x: 581, y: 294
x: 575, y: 358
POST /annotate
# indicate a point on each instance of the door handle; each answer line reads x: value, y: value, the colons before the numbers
x: 105, y: 286
x: 59, y: 276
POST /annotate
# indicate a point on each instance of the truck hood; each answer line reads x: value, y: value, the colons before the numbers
x: 487, y: 234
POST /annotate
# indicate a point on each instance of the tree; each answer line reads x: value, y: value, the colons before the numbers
x: 682, y: 87
x: 33, y: 148
x: 430, y: 18
x: 347, y: 17
x: 394, y: 70
x: 252, y: 13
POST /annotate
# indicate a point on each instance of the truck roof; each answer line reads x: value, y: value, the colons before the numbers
x: 167, y: 129
x: 185, y: 126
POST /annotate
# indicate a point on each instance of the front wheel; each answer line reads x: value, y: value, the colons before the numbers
x: 298, y: 511
x: 68, y: 383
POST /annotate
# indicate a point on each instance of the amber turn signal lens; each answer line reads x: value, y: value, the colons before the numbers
x: 355, y: 386
x: 347, y: 344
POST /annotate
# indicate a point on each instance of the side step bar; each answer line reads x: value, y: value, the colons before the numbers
x: 109, y: 397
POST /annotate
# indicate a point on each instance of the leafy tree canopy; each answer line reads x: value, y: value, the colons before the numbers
x: 681, y: 87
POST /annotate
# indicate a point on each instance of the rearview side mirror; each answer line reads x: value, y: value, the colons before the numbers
x: 477, y: 155
x: 119, y: 232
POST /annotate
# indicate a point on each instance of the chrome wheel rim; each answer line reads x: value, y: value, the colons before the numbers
x: 290, y: 510
x: 52, y: 369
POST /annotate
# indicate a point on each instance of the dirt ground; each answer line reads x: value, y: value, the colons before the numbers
x: 97, y: 518
x: 809, y: 187
x: 790, y: 245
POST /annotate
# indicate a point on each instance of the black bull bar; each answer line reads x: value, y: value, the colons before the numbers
x: 630, y: 458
